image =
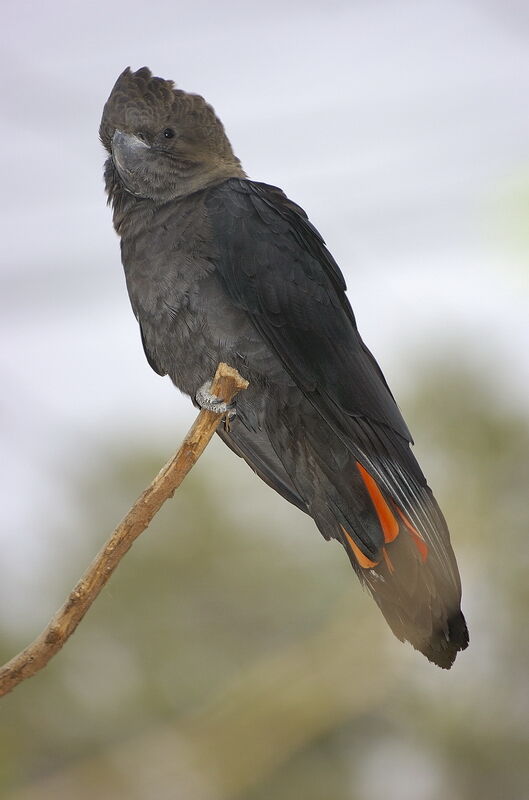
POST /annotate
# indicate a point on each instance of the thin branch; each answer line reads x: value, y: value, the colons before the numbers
x: 34, y: 657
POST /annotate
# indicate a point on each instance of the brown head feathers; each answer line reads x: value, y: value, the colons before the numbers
x: 187, y: 147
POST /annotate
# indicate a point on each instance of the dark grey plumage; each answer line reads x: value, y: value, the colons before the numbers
x: 220, y: 268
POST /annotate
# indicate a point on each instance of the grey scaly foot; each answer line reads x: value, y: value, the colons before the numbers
x: 211, y: 402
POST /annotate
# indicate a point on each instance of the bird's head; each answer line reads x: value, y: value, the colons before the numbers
x: 163, y: 143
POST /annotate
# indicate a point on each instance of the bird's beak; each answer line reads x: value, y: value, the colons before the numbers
x: 127, y: 151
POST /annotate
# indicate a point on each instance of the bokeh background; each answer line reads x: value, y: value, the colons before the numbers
x: 233, y: 655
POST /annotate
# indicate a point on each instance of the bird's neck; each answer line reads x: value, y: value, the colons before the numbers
x: 124, y: 204
x: 212, y: 175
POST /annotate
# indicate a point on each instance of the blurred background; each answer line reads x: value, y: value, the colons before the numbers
x: 233, y: 655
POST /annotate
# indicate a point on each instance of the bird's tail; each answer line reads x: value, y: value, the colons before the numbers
x: 412, y: 575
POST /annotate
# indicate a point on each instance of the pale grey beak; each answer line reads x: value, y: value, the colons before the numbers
x: 127, y: 151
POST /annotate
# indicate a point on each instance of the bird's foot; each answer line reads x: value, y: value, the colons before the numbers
x: 210, y: 402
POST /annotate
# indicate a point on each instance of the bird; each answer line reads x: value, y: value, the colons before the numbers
x: 222, y: 268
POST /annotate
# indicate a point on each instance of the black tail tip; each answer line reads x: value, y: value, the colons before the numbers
x: 444, y: 646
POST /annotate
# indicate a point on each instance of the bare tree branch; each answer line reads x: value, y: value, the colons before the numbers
x: 34, y: 657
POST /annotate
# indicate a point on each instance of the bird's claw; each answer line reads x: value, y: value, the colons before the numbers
x: 210, y: 402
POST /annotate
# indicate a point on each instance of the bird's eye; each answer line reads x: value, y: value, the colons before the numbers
x: 168, y: 133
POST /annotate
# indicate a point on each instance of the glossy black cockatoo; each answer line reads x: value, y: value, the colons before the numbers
x: 222, y: 268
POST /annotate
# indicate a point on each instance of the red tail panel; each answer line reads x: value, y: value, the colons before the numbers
x: 388, y: 523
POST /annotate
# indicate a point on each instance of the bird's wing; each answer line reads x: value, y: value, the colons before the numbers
x: 274, y: 265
